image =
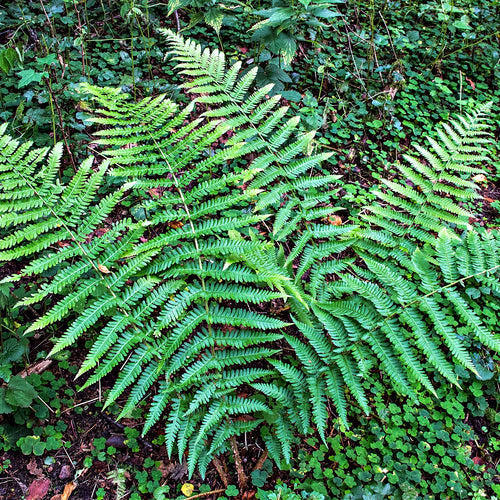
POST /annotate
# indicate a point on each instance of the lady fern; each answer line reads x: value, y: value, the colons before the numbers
x: 173, y: 293
x: 385, y: 292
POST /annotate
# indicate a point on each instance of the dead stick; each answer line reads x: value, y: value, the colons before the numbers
x: 199, y: 495
x: 61, y: 124
x: 177, y: 21
x: 242, y: 478
x: 221, y: 471
x: 261, y: 461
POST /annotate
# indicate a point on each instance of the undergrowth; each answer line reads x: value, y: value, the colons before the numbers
x: 173, y: 294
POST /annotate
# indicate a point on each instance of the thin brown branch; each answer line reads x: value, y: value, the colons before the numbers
x: 214, y: 492
x: 61, y: 123
x: 261, y: 460
x: 242, y: 478
x: 221, y: 470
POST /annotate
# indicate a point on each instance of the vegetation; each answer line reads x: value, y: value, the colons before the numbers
x: 178, y: 238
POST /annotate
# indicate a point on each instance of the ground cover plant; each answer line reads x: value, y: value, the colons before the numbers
x: 221, y: 290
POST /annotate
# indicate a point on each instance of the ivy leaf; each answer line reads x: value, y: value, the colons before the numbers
x: 51, y: 58
x: 4, y: 407
x: 19, y: 392
x: 30, y: 75
x: 13, y: 350
x: 284, y: 45
x: 8, y: 59
x: 5, y: 372
x: 214, y: 18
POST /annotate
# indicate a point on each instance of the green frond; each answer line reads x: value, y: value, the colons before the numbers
x: 196, y: 301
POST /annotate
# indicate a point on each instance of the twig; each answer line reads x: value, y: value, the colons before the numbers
x: 61, y: 123
x: 242, y: 478
x: 222, y: 473
x: 69, y: 458
x: 80, y: 29
x: 48, y: 407
x: 177, y: 21
x: 48, y: 19
x: 214, y: 492
x: 261, y: 461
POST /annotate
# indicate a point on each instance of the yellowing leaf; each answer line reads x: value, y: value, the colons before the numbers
x: 479, y: 178
x: 335, y: 220
x: 187, y: 489
x: 68, y: 489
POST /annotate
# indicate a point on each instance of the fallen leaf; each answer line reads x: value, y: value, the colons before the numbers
x: 479, y: 178
x: 99, y: 232
x: 471, y: 83
x: 165, y: 469
x: 103, y: 269
x: 248, y: 495
x: 489, y: 200
x: 68, y: 489
x: 335, y: 220
x: 180, y: 470
x: 187, y: 489
x: 116, y: 441
x: 34, y: 469
x: 156, y: 192
x: 38, y: 489
x: 175, y: 224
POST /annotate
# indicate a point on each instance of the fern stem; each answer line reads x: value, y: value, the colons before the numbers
x: 195, y: 239
x: 419, y: 299
x: 491, y: 269
x: 242, y: 478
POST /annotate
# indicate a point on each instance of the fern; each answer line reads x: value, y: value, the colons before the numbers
x: 154, y: 286
x: 172, y: 293
x: 394, y: 299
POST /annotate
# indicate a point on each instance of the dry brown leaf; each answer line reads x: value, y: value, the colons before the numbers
x: 156, y: 192
x: 471, y: 83
x: 65, y: 472
x: 68, y: 489
x: 34, y: 469
x: 103, y: 269
x: 335, y: 220
x: 38, y: 489
x: 166, y: 469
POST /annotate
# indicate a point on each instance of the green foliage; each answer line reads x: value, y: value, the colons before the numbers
x: 173, y: 291
x: 285, y: 23
x: 404, y: 450
x: 213, y: 13
x: 283, y: 492
x: 17, y: 393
